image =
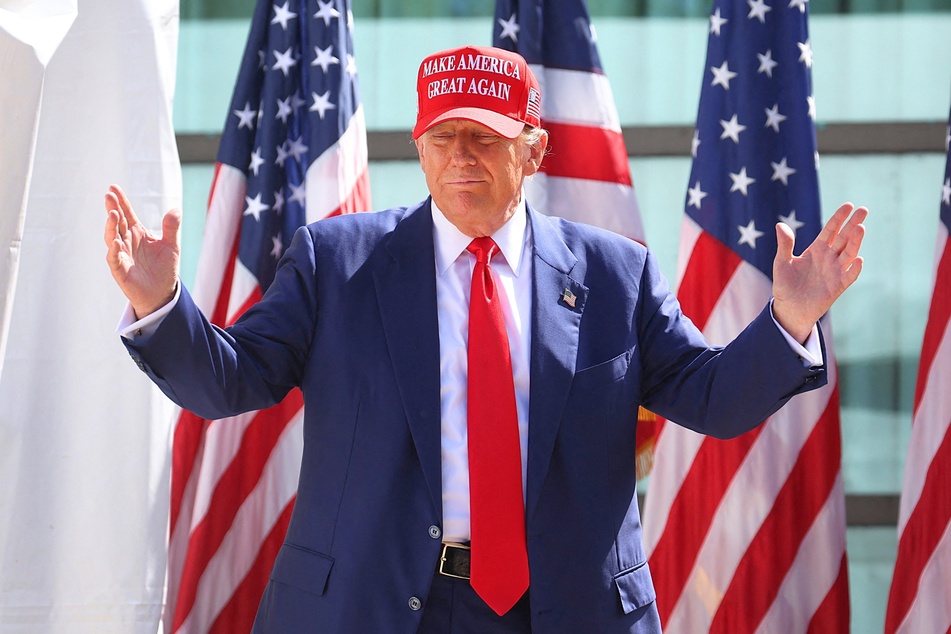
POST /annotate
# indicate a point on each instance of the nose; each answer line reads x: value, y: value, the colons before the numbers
x: 461, y: 150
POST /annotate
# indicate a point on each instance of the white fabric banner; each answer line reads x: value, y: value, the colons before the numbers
x: 86, y: 93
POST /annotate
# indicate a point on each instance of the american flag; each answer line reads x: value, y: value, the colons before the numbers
x: 749, y: 534
x: 586, y: 175
x: 919, y: 598
x: 293, y: 150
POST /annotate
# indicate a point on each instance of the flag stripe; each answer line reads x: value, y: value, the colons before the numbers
x: 230, y: 492
x: 931, y: 610
x: 939, y: 316
x: 708, y: 272
x: 828, y: 617
x: 792, y: 513
x: 925, y: 527
x: 591, y: 202
x: 586, y: 152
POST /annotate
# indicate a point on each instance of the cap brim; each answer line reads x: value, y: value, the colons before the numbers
x: 498, y: 123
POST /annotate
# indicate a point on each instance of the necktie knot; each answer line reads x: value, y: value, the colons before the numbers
x: 483, y: 248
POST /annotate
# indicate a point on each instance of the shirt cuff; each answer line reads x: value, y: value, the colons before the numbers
x: 810, y: 351
x: 144, y: 328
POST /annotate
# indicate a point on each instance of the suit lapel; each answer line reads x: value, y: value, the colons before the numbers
x: 555, y: 328
x: 405, y: 279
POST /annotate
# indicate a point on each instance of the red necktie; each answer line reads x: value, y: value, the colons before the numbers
x: 499, y: 566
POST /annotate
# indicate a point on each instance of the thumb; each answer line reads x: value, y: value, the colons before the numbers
x: 785, y: 241
x: 171, y: 227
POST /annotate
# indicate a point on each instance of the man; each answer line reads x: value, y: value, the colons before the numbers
x: 372, y: 316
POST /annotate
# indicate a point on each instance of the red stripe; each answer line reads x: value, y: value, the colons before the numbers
x: 928, y: 521
x: 771, y: 553
x: 938, y: 317
x: 577, y: 151
x: 238, y: 614
x: 709, y: 270
x: 691, y: 514
x: 231, y: 490
x: 833, y: 614
x: 186, y: 444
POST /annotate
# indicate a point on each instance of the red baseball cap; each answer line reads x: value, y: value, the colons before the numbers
x: 487, y: 85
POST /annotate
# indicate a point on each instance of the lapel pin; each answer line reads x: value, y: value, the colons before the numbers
x: 569, y: 297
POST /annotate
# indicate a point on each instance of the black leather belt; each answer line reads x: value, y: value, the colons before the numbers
x: 454, y: 561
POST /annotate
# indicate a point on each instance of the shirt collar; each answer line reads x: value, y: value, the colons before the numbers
x: 451, y: 243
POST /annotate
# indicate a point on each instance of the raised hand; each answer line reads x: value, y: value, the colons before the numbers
x: 144, y: 267
x: 805, y: 287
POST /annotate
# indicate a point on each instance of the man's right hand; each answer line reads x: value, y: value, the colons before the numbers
x: 144, y: 267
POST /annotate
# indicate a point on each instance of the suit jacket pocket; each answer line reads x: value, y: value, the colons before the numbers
x: 602, y: 373
x: 302, y: 568
x: 635, y: 587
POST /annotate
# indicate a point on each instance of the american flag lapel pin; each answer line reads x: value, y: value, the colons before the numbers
x: 568, y: 297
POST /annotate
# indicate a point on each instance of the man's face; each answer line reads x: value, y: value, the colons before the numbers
x: 474, y: 175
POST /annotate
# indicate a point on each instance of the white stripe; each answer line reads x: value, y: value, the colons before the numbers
x: 928, y: 428
x: 743, y: 298
x: 577, y: 97
x: 256, y: 518
x: 679, y: 447
x: 690, y: 232
x: 814, y: 571
x: 610, y: 206
x: 225, y: 209
x: 243, y: 284
x: 931, y: 609
x: 744, y: 506
x: 342, y: 164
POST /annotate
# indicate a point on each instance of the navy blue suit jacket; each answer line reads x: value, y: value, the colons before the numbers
x: 351, y: 320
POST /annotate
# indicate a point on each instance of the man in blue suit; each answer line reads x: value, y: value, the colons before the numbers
x: 369, y: 316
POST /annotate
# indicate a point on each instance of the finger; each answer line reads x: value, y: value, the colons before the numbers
x: 171, y: 226
x: 850, y: 251
x: 785, y: 242
x: 831, y: 229
x: 853, y: 228
x: 124, y: 205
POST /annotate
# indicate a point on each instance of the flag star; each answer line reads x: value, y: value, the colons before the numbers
x: 351, y: 65
x: 781, y: 171
x: 284, y: 61
x: 749, y: 235
x: 741, y: 181
x: 799, y: 4
x: 284, y: 110
x: 261, y: 59
x: 256, y: 161
x: 767, y: 63
x: 282, y: 15
x: 816, y: 159
x: 298, y: 193
x: 321, y: 104
x: 946, y: 191
x: 276, y: 246
x: 297, y: 148
x: 255, y: 207
x: 695, y: 143
x: 510, y: 28
x: 324, y: 57
x: 805, y: 53
x: 297, y: 102
x: 758, y: 10
x: 794, y: 223
x: 282, y: 154
x: 695, y: 195
x: 947, y: 140
x: 732, y: 129
x: 811, y: 101
x: 722, y: 75
x: 774, y: 118
x: 349, y: 19
x: 246, y: 116
x: 716, y: 22
x: 592, y: 34
x: 278, y: 205
x: 260, y: 111
x: 326, y: 12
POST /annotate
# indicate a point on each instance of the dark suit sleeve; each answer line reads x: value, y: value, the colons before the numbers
x: 251, y: 365
x: 721, y: 392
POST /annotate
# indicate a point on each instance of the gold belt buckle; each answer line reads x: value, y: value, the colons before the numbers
x: 442, y: 558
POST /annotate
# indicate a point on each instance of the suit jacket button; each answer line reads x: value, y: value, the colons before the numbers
x: 434, y: 532
x: 415, y: 604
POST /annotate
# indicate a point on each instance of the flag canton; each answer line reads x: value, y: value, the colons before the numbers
x: 946, y: 186
x: 295, y: 94
x: 754, y: 148
x: 562, y: 38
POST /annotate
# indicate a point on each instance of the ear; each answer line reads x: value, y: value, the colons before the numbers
x: 536, y: 152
